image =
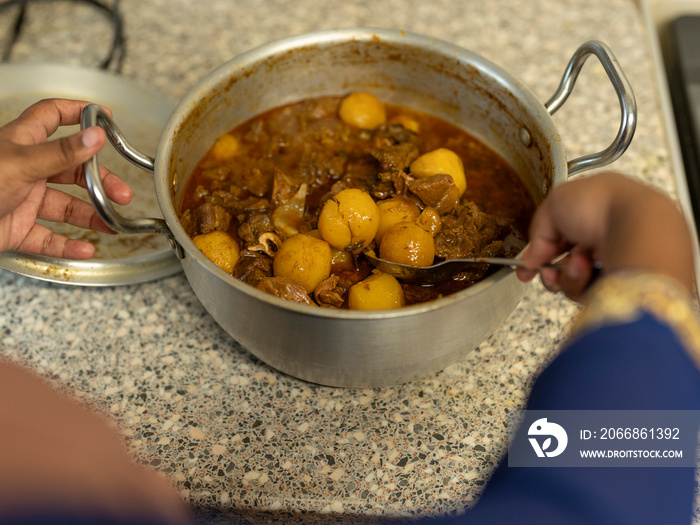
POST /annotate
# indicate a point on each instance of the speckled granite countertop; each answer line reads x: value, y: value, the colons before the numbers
x: 239, y: 438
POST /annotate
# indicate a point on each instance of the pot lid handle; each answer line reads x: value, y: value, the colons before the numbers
x: 94, y: 115
x: 625, y: 95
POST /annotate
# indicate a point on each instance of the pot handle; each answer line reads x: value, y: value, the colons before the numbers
x: 94, y: 115
x: 622, y: 87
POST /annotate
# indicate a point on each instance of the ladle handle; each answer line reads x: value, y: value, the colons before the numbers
x: 94, y: 115
x: 622, y: 87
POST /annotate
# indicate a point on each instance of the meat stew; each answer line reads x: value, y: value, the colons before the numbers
x: 289, y: 200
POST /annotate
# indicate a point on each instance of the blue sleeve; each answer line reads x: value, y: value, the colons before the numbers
x: 638, y: 365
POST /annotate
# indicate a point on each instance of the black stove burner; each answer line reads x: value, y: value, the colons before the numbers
x: 682, y: 54
x: 117, y: 50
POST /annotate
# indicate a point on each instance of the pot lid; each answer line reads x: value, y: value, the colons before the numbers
x: 141, y: 114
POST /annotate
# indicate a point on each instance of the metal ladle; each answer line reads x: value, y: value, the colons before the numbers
x: 444, y: 270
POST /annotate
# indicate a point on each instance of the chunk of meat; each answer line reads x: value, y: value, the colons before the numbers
x: 252, y: 267
x: 289, y: 218
x: 495, y: 249
x: 318, y: 165
x: 398, y: 179
x: 227, y: 198
x: 251, y: 204
x: 478, y: 271
x: 437, y: 191
x: 466, y: 232
x: 284, y: 288
x: 257, y: 183
x: 397, y: 157
x: 383, y: 190
x: 220, y: 172
x: 283, y: 187
x: 329, y: 293
x: 210, y: 217
x: 318, y: 108
x: 254, y: 224
x: 392, y: 135
x: 188, y: 223
x: 361, y: 173
x: 200, y: 192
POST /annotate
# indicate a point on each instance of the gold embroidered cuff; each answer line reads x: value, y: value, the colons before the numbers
x: 622, y: 297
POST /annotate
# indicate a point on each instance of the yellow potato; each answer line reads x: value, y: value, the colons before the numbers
x: 362, y: 110
x: 439, y: 161
x: 339, y: 258
x: 304, y: 259
x: 342, y: 259
x: 393, y: 211
x: 225, y: 147
x: 408, y: 243
x: 430, y: 221
x: 379, y: 291
x: 406, y: 121
x: 349, y: 221
x: 220, y: 247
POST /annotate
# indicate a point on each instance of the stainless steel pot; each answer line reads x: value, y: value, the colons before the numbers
x: 341, y: 347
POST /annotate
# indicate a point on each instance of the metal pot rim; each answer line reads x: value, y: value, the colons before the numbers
x: 255, y: 58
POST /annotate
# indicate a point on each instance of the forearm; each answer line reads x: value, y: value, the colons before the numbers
x: 647, y: 231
